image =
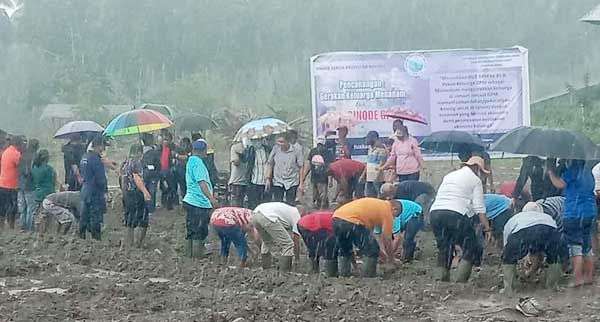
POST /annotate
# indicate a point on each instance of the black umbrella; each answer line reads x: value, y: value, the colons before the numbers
x: 552, y: 143
x: 194, y: 122
x: 452, y: 142
x: 78, y: 128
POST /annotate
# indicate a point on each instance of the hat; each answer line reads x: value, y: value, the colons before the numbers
x: 199, y: 145
x: 321, y: 139
x: 343, y: 127
x: 478, y: 161
x: 317, y: 160
x: 533, y: 206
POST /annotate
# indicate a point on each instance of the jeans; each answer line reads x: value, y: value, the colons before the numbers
x: 151, y: 185
x: 91, y: 220
x: 349, y: 234
x: 319, y: 243
x: 135, y: 209
x: 450, y: 229
x: 578, y: 234
x: 27, y: 209
x: 196, y: 222
x: 320, y: 195
x: 409, y: 245
x: 372, y: 189
x: 8, y: 205
x: 282, y: 195
x: 238, y: 194
x: 256, y: 195
x: 409, y: 177
x: 235, y: 235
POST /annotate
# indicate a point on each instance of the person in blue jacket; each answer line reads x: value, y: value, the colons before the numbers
x: 93, y: 190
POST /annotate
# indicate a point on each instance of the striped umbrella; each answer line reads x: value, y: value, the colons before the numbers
x: 258, y: 129
x: 136, y: 122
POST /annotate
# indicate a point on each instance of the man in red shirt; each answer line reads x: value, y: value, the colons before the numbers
x: 347, y: 173
x: 316, y: 230
x: 9, y: 181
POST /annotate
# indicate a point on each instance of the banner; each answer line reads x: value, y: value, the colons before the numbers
x: 484, y: 92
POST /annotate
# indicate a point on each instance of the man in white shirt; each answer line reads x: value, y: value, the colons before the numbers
x: 459, y: 197
x: 532, y: 232
x: 277, y: 225
x: 238, y: 180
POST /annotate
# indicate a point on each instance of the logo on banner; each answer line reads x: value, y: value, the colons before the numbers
x: 415, y: 65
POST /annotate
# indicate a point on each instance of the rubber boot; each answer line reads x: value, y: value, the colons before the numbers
x: 510, y: 277
x: 141, y: 237
x: 345, y: 265
x: 189, y: 247
x: 198, y: 249
x: 285, y: 264
x: 553, y: 275
x: 331, y: 267
x: 464, y: 271
x: 369, y: 267
x: 129, y: 237
x: 265, y: 260
x: 314, y: 265
x: 66, y: 228
x: 442, y: 274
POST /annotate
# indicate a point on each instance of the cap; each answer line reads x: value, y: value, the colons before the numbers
x: 532, y: 206
x: 478, y: 161
x: 321, y: 139
x: 199, y: 146
x: 317, y: 160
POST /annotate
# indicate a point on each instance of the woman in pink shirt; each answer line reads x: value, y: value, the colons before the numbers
x: 405, y: 156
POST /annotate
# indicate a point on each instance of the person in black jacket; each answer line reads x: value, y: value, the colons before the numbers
x: 256, y: 156
x: 151, y: 170
x: 534, y: 169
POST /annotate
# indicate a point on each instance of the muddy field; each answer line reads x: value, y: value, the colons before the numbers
x: 65, y: 279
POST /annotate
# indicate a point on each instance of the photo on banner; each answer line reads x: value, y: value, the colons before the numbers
x: 484, y: 92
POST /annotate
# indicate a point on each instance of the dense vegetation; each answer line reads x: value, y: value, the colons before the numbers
x: 206, y: 54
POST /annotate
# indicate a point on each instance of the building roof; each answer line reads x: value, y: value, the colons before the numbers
x: 58, y: 111
x: 593, y: 16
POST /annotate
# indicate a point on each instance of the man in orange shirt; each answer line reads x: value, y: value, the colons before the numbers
x: 9, y: 181
x: 353, y: 225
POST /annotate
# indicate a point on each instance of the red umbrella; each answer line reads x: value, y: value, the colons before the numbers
x: 402, y: 113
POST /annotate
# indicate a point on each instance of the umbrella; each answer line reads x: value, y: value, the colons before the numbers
x: 258, y: 129
x: 452, y: 142
x: 405, y: 114
x: 552, y: 143
x: 136, y: 122
x: 77, y: 128
x: 161, y: 108
x: 194, y: 122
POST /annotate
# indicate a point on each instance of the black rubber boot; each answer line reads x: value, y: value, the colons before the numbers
x: 314, y: 265
x: 345, y: 265
x: 369, y: 267
x: 285, y: 264
x: 141, y: 237
x: 331, y: 267
x: 266, y: 260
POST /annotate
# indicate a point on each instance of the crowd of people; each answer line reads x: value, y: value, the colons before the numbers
x: 379, y: 206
